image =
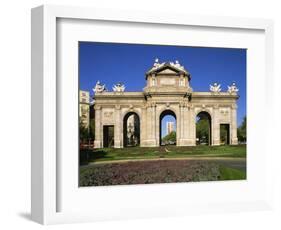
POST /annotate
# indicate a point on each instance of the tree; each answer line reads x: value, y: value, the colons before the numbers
x: 202, y: 130
x: 170, y: 138
x: 83, y: 132
x: 92, y: 129
x: 223, y: 134
x: 242, y: 131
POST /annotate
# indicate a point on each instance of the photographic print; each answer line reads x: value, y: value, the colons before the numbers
x: 161, y: 114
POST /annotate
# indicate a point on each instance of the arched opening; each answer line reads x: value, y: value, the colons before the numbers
x: 224, y: 134
x: 168, y: 127
x: 131, y: 130
x: 203, y: 129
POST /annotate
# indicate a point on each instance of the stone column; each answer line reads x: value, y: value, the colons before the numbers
x: 185, y: 126
x: 181, y: 121
x: 180, y: 125
x: 233, y: 133
x: 192, y: 126
x: 98, y: 128
x: 149, y: 122
x: 117, y: 127
x: 157, y: 125
x: 153, y: 123
x: 215, y: 126
x: 143, y: 126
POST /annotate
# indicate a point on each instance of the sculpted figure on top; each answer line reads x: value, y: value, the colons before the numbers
x: 215, y: 88
x: 232, y: 89
x: 119, y: 87
x: 99, y: 88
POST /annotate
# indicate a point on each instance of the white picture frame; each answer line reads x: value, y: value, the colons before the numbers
x: 46, y: 165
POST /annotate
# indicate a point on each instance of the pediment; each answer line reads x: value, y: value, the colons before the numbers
x: 168, y: 71
x: 168, y: 68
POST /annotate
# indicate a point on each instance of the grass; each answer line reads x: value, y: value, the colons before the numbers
x: 111, y: 154
x: 231, y: 174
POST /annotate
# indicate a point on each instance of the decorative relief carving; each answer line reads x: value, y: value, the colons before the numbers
x: 108, y: 116
x: 224, y: 111
x: 167, y: 81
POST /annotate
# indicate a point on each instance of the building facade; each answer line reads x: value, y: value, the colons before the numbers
x: 167, y: 92
x: 84, y: 108
x: 169, y: 127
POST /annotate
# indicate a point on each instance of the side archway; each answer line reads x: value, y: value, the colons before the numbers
x: 131, y: 130
x: 203, y: 128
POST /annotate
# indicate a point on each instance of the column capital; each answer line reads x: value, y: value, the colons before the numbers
x: 216, y: 106
x: 97, y: 107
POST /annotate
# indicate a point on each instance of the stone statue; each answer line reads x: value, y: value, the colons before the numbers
x: 99, y: 88
x: 232, y: 89
x: 215, y: 88
x: 119, y: 87
x: 177, y: 65
x: 156, y: 63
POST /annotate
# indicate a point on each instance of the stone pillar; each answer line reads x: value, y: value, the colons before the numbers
x: 215, y: 126
x: 178, y: 128
x: 117, y: 127
x: 233, y: 132
x: 98, y: 128
x: 180, y: 125
x: 157, y: 125
x: 153, y: 124
x: 143, y: 127
x: 186, y: 139
x: 149, y: 122
x: 192, y: 126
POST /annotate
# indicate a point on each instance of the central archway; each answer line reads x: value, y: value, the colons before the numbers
x: 167, y: 128
x: 131, y: 130
x: 203, y: 128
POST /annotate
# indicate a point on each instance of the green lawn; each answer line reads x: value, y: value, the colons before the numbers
x: 231, y: 174
x: 111, y: 154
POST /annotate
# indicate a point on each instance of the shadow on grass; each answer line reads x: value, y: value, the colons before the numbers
x: 88, y: 155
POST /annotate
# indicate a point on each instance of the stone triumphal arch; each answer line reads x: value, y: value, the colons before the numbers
x: 167, y: 91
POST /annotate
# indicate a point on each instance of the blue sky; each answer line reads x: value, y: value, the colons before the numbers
x: 112, y: 63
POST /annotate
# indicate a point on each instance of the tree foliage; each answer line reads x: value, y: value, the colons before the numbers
x: 202, y: 130
x: 242, y: 131
x: 83, y: 132
x: 171, y: 137
x: 224, y: 134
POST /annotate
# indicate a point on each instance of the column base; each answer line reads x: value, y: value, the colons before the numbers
x: 148, y: 143
x: 117, y: 144
x: 97, y: 144
x: 216, y: 142
x: 186, y: 142
x: 234, y: 141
